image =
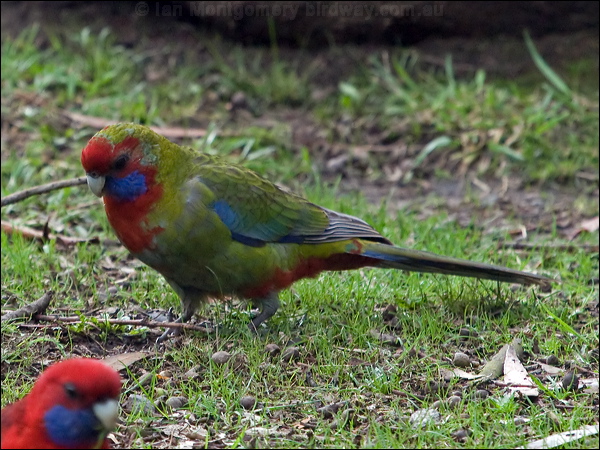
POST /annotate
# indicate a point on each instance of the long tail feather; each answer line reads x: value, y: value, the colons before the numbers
x: 419, y: 261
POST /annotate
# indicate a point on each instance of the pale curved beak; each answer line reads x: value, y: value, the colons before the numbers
x: 96, y: 184
x: 107, y: 413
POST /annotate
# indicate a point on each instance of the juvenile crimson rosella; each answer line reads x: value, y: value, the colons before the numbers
x: 73, y: 404
x: 212, y: 228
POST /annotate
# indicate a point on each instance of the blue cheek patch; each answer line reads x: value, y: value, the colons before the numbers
x: 72, y: 427
x: 127, y: 188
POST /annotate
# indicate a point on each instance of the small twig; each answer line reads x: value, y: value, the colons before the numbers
x: 561, y: 247
x: 441, y: 62
x: 26, y: 193
x: 135, y: 323
x: 286, y: 406
x: 44, y: 236
x: 168, y: 132
x: 94, y: 122
x: 587, y: 175
x: 36, y: 307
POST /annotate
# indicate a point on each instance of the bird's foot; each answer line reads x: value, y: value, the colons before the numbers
x: 170, y: 332
x: 268, y: 306
x: 253, y: 327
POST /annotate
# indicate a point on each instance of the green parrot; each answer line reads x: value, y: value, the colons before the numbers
x: 215, y: 229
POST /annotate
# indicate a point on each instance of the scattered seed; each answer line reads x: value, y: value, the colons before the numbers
x: 331, y: 410
x: 571, y: 381
x: 461, y: 435
x: 160, y: 401
x: 454, y: 401
x: 272, y: 349
x: 343, y: 419
x: 520, y: 420
x: 290, y: 354
x: 461, y: 360
x: 221, y: 357
x: 137, y: 404
x: 553, y: 418
x: 176, y: 402
x: 468, y: 332
x: 238, y: 100
x: 432, y: 387
x: 248, y: 402
x: 146, y: 378
x: 394, y: 323
x: 386, y: 338
x: 482, y: 393
x: 191, y: 374
x: 593, y: 354
x: 389, y: 311
x: 240, y: 362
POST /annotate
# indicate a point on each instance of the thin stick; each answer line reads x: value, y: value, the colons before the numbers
x: 135, y: 323
x: 30, y: 309
x: 43, y: 235
x: 168, y: 132
x: 26, y: 193
x: 561, y: 247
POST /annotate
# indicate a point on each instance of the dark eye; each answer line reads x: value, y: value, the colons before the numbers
x: 71, y: 391
x: 120, y: 162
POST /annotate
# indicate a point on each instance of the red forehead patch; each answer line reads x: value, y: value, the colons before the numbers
x: 99, y: 154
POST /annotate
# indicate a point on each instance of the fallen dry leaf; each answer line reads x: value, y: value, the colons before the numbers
x: 558, y: 439
x: 516, y: 377
x: 551, y: 370
x: 589, y: 225
x: 466, y: 375
x: 124, y: 360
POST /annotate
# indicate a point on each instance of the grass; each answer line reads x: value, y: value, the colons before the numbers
x: 547, y: 135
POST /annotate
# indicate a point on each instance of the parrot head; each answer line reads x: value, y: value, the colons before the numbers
x: 77, y: 401
x: 120, y: 162
x: 126, y: 165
